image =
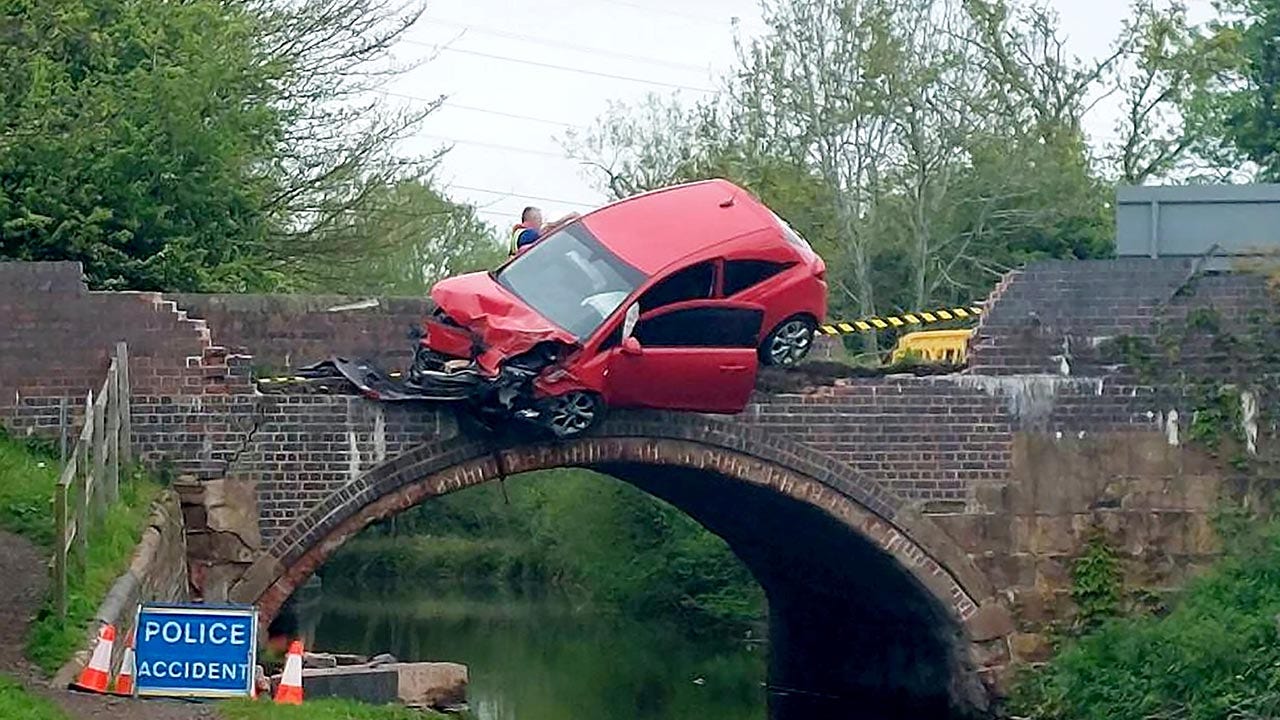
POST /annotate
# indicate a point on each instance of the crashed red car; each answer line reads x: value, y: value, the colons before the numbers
x: 667, y: 300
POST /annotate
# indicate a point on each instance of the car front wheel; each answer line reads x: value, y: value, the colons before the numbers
x: 789, y: 343
x: 572, y: 413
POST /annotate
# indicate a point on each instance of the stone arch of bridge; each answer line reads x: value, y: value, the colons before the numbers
x: 869, y: 601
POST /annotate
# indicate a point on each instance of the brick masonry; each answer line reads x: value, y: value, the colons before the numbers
x: 1000, y: 470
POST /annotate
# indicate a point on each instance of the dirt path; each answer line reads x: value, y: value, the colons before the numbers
x: 22, y: 586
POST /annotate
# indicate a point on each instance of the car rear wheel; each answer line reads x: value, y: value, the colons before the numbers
x: 572, y: 413
x: 789, y: 343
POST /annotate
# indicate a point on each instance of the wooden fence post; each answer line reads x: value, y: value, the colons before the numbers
x: 111, y: 486
x: 84, y: 483
x: 60, y: 552
x: 123, y: 402
x: 63, y: 422
x: 99, y: 456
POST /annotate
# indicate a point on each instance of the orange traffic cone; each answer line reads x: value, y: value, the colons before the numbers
x: 124, y: 681
x: 94, y: 677
x: 290, y: 690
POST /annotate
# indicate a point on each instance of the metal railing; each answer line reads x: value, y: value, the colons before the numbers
x: 90, y: 479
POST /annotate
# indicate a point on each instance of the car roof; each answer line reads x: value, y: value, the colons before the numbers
x: 653, y: 230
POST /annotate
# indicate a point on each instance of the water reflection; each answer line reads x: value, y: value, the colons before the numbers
x: 538, y: 658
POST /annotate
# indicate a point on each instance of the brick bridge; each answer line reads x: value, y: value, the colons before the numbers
x: 913, y: 535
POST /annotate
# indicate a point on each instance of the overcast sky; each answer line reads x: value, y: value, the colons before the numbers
x: 560, y: 62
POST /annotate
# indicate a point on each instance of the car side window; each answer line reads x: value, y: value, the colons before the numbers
x: 701, y: 327
x: 696, y: 282
x: 742, y: 274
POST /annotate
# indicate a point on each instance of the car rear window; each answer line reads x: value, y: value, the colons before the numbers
x: 571, y: 279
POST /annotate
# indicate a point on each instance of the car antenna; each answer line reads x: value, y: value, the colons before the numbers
x: 727, y: 202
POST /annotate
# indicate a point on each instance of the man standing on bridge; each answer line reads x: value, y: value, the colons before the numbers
x: 531, y: 229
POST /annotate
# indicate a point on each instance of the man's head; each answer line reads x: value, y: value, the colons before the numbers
x: 531, y: 217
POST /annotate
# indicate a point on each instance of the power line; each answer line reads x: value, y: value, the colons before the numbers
x: 472, y: 108
x: 562, y: 201
x: 567, y: 68
x: 673, y: 13
x: 503, y: 113
x: 494, y: 146
x: 560, y: 44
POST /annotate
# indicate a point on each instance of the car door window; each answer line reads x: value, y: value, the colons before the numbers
x: 742, y: 274
x: 696, y: 282
x: 704, y: 326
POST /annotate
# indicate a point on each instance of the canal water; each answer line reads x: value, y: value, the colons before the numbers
x: 540, y: 658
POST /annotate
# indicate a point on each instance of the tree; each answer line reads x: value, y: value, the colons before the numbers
x: 1242, y: 101
x: 130, y: 137
x: 201, y: 145
x: 424, y: 236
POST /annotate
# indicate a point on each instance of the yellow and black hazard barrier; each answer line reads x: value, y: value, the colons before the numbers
x: 897, y: 321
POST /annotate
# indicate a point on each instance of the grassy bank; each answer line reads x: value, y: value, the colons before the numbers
x: 27, y: 478
x: 1216, y: 655
x: 15, y: 702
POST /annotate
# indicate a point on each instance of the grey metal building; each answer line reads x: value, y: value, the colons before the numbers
x: 1189, y: 220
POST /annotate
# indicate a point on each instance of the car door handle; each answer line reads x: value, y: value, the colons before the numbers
x: 734, y: 368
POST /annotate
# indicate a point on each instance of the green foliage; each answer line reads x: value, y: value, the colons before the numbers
x: 602, y: 541
x: 1214, y: 656
x: 428, y: 559
x: 1244, y: 102
x: 15, y: 702
x: 214, y: 146
x: 1096, y: 585
x: 323, y: 709
x: 422, y: 236
x: 26, y: 491
x: 129, y: 138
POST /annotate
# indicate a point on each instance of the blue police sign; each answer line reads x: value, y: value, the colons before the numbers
x: 195, y: 650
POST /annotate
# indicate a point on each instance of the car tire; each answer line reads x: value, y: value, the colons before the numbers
x: 789, y: 342
x: 571, y: 414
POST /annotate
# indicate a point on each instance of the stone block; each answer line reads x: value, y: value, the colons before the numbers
x: 1053, y: 574
x: 1030, y: 647
x: 373, y: 685
x: 432, y: 685
x: 218, y: 547
x: 232, y: 507
x: 218, y: 580
x: 425, y: 685
x: 990, y: 622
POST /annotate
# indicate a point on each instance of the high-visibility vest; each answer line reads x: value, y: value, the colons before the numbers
x: 516, y: 232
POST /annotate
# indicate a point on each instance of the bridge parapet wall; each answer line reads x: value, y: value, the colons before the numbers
x: 1017, y: 459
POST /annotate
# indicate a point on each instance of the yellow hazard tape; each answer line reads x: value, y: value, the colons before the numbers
x: 897, y: 321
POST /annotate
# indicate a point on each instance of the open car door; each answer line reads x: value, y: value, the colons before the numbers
x: 698, y: 356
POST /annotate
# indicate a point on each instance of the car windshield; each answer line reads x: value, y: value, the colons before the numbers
x: 571, y: 279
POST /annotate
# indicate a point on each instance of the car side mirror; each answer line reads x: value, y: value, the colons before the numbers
x: 631, y: 346
x: 629, y: 319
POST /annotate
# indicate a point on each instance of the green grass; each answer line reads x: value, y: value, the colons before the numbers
x: 1215, y: 656
x: 15, y: 702
x: 320, y: 710
x: 27, y: 479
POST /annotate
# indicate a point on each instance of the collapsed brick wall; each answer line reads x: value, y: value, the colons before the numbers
x: 286, y: 331
x: 1048, y: 318
x: 56, y: 340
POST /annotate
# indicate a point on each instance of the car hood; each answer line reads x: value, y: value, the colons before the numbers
x: 505, y: 325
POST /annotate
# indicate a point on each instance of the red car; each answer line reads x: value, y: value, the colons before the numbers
x: 668, y: 300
